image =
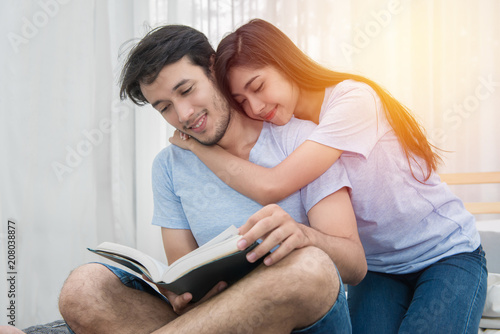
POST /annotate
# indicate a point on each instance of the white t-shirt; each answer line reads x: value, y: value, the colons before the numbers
x: 404, y: 225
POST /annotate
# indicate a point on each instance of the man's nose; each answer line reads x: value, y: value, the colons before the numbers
x: 184, y: 111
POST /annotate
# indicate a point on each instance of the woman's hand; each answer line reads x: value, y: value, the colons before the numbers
x: 181, y: 140
x: 276, y: 228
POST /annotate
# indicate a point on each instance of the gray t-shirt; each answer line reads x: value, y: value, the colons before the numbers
x: 187, y: 195
x: 404, y: 225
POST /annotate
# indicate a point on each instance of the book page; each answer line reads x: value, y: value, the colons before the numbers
x: 228, y: 233
x: 222, y: 245
x: 153, y: 266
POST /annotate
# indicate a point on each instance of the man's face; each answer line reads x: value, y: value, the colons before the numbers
x: 188, y: 100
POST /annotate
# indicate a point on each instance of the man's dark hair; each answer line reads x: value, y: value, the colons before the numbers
x: 160, y: 47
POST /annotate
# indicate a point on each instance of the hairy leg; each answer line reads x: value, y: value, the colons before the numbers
x: 293, y: 293
x: 94, y: 300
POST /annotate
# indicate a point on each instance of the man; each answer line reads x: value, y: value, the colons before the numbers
x: 297, y: 289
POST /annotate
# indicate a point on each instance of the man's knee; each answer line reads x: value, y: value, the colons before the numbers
x: 306, y: 276
x: 80, y: 291
x: 316, y: 272
x: 308, y: 280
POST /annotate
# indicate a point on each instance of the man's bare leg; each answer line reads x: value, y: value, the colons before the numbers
x: 293, y: 293
x: 94, y: 300
x: 10, y: 330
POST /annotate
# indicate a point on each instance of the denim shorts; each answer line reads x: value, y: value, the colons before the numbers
x: 337, y: 319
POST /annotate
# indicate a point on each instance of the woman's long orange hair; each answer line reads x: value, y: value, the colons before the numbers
x: 258, y: 43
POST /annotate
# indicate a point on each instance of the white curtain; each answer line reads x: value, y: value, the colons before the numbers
x: 76, y: 160
x: 67, y: 144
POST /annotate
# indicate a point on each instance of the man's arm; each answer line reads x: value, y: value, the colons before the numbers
x: 333, y: 229
x: 177, y: 243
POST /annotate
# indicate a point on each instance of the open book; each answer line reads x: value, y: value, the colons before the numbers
x: 196, y: 272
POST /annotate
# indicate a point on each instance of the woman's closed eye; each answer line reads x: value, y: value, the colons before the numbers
x: 187, y: 91
x: 258, y: 89
x: 240, y: 102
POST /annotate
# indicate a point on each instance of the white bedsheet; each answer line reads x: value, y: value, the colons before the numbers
x: 490, y: 239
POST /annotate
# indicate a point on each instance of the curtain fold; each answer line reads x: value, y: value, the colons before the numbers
x: 67, y: 143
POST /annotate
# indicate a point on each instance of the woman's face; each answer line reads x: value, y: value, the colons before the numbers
x: 264, y: 94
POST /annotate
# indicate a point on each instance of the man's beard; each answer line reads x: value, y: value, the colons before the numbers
x: 221, y: 126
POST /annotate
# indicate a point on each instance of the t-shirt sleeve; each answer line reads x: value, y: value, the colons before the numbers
x: 349, y: 118
x: 335, y: 177
x: 168, y: 211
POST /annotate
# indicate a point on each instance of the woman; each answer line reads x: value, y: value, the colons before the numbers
x: 427, y: 271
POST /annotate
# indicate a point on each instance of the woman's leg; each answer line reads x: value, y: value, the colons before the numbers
x: 449, y: 296
x: 379, y: 303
